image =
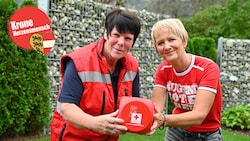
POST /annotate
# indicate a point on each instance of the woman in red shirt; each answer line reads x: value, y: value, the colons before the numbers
x: 192, y: 83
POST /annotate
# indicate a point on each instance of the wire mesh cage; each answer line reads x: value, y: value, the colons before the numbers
x: 78, y: 23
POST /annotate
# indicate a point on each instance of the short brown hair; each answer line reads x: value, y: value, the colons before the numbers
x: 124, y: 21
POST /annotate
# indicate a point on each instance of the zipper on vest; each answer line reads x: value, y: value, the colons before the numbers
x: 115, y: 103
x: 126, y: 94
x: 103, y: 102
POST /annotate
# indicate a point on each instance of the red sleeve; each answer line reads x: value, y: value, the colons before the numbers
x: 211, y: 77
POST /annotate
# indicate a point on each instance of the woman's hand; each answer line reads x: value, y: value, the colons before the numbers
x: 158, y: 121
x: 109, y: 124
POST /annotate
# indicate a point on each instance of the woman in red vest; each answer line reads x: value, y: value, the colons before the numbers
x: 94, y: 78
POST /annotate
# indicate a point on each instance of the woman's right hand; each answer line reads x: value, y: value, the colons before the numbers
x: 109, y: 124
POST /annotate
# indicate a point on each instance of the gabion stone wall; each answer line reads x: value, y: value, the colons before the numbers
x: 78, y: 23
x: 235, y: 71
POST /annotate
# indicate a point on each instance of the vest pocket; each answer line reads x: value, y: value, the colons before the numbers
x: 61, y: 134
x: 126, y: 92
x: 103, y: 102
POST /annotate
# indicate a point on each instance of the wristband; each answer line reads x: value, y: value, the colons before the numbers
x: 164, y: 122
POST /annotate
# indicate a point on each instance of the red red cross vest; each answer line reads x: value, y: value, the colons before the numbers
x: 93, y: 71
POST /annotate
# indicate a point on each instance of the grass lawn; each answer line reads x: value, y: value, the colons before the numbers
x: 159, y: 136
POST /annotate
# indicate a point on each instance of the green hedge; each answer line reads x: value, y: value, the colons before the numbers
x: 205, y: 47
x: 24, y: 88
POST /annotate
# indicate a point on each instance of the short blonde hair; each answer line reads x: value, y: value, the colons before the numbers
x: 174, y: 25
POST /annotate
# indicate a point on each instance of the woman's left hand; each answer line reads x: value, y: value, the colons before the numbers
x: 158, y: 121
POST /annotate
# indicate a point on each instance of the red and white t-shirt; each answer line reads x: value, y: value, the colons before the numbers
x: 203, y: 74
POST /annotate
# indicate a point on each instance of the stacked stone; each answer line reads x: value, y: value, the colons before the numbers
x: 235, y: 71
x: 78, y: 23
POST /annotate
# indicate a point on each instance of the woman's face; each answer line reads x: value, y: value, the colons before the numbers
x: 117, y: 45
x: 168, y: 45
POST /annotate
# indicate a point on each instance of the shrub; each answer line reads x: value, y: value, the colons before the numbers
x: 205, y: 47
x: 24, y: 83
x: 237, y: 117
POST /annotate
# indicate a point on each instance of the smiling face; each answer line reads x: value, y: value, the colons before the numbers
x: 168, y: 45
x: 170, y: 40
x: 117, y: 45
